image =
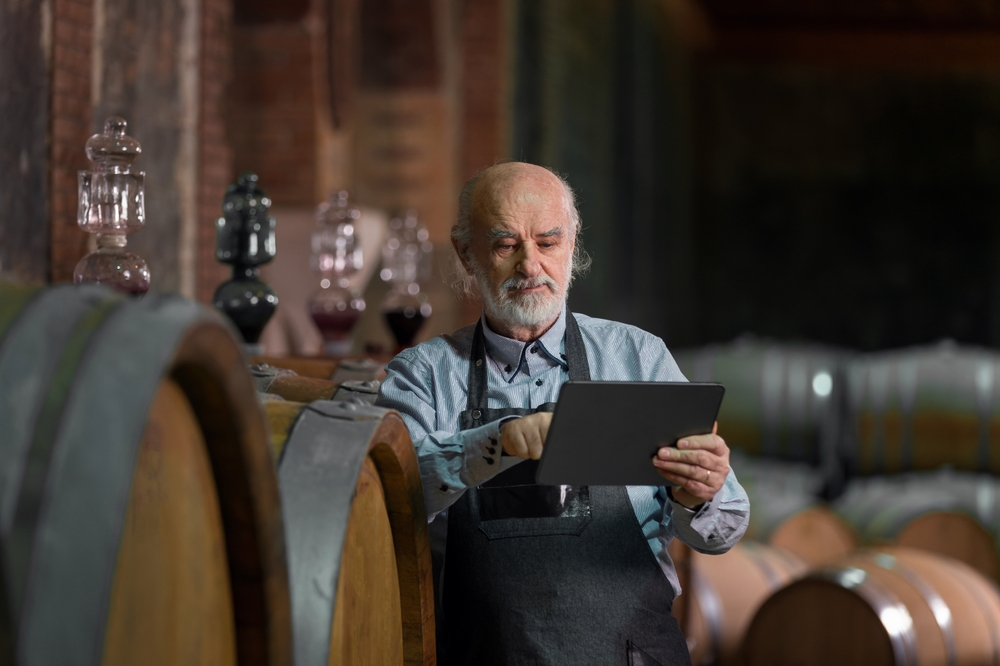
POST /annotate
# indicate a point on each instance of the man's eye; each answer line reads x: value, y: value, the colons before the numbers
x: 505, y: 247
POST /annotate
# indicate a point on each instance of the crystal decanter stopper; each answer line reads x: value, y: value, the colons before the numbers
x: 111, y: 206
x: 405, y: 263
x: 245, y: 238
x: 336, y: 256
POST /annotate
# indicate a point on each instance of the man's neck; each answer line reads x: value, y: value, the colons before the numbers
x: 520, y: 333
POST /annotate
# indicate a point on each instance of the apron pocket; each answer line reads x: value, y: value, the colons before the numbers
x: 533, y: 510
x: 638, y: 657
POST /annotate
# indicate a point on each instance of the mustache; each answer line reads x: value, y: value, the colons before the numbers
x: 515, y: 283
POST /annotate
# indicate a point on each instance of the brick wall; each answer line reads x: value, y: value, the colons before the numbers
x: 484, y: 59
x: 483, y: 138
x: 215, y: 161
x: 273, y: 113
x: 72, y: 25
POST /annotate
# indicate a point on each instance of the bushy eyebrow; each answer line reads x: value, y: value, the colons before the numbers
x: 493, y: 234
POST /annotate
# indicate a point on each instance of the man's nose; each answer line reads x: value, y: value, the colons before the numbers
x: 528, y: 264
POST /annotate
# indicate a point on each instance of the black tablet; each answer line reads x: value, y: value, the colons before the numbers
x: 606, y: 433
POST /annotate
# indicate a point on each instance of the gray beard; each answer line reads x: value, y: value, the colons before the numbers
x: 524, y: 311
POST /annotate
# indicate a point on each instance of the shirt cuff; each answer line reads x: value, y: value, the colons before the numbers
x: 500, y: 424
x: 692, y: 517
x: 482, y: 453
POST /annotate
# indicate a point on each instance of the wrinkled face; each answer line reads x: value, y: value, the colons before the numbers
x: 522, y: 249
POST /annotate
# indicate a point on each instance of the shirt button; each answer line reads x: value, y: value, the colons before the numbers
x: 507, y: 369
x: 476, y: 413
x: 538, y: 382
x: 534, y: 350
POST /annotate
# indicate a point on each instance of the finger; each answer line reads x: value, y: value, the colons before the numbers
x: 712, y: 478
x: 535, y: 440
x: 696, y: 457
x: 699, y: 490
x: 711, y: 444
x: 708, y: 478
x: 688, y: 471
x: 703, y: 442
x: 525, y: 442
x: 544, y: 425
x: 514, y: 442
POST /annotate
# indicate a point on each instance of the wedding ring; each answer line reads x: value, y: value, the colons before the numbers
x: 708, y: 475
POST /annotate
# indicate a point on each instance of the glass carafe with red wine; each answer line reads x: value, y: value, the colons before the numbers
x: 405, y: 263
x: 336, y: 256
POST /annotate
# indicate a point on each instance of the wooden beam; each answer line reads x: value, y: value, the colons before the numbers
x: 903, y: 50
x: 25, y: 41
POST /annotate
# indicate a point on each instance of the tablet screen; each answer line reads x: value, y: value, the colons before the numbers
x: 606, y: 433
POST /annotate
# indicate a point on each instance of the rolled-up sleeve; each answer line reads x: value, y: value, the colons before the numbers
x: 717, y: 525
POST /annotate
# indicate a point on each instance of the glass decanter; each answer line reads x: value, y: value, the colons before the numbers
x: 111, y: 206
x: 245, y: 238
x: 405, y: 263
x: 336, y: 256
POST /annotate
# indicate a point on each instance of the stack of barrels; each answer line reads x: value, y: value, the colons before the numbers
x: 151, y: 513
x: 874, y: 475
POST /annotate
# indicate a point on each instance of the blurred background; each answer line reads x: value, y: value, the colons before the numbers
x: 800, y: 197
x: 820, y: 170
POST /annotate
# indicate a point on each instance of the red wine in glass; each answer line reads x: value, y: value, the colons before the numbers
x: 404, y: 323
x: 336, y: 325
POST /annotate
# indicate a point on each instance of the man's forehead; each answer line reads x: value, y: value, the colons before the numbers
x: 527, y: 197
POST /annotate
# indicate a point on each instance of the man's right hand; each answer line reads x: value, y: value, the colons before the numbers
x: 525, y: 437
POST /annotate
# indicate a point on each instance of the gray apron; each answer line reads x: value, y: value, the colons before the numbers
x: 552, y: 575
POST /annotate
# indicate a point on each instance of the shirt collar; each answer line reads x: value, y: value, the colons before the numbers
x: 508, y: 352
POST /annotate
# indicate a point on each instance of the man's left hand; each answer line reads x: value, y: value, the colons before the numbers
x: 699, y: 466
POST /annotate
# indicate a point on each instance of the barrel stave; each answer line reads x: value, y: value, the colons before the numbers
x: 367, y: 620
x: 886, y: 606
x: 330, y: 457
x: 950, y: 513
x: 726, y: 591
x: 212, y: 372
x: 922, y: 408
x: 171, y: 568
x: 791, y: 630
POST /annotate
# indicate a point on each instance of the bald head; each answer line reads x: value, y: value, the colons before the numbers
x: 505, y: 189
x: 509, y: 190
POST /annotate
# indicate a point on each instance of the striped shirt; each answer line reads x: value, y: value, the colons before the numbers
x: 428, y: 385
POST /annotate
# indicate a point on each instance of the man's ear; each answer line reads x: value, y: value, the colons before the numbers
x: 460, y: 251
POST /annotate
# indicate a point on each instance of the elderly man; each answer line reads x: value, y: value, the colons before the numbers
x: 536, y: 575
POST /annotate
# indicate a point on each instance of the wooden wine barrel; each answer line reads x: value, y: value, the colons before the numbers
x: 304, y: 366
x: 786, y: 513
x: 291, y: 386
x: 948, y: 513
x: 726, y: 591
x: 139, y: 508
x: 356, y: 528
x: 922, y: 408
x: 782, y: 400
x: 893, y: 606
x: 328, y: 368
